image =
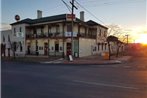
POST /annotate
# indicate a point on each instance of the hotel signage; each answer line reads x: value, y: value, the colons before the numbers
x: 70, y: 16
x: 68, y: 34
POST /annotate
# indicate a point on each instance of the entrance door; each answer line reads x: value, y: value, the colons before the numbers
x: 45, y: 48
x: 68, y: 49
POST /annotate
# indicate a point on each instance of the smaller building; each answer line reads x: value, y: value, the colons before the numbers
x: 6, y: 38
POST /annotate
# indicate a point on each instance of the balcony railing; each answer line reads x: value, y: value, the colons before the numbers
x: 50, y: 35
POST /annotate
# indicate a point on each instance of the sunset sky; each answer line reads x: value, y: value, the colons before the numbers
x: 128, y: 14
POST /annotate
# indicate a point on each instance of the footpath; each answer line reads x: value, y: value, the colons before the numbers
x: 89, y: 60
x: 97, y: 60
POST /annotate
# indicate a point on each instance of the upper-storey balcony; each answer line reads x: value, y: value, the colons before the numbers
x: 44, y: 35
x: 60, y: 35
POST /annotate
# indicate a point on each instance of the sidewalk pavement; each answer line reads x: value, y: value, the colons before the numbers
x: 30, y: 59
x: 97, y: 60
x: 89, y: 60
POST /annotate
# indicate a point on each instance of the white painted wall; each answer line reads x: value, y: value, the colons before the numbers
x: 5, y: 34
x: 41, y: 46
x: 101, y: 38
x: 85, y: 47
x: 19, y: 39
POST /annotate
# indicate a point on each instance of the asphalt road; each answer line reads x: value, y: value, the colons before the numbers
x: 29, y: 80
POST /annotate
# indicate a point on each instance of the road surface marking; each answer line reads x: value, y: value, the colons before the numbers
x: 107, y: 85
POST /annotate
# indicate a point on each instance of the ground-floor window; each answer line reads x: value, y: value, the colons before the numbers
x: 105, y: 46
x: 102, y: 46
x: 57, y: 47
x: 20, y: 46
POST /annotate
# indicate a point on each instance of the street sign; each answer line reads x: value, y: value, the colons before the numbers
x: 70, y: 58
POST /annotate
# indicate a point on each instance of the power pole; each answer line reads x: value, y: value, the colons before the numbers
x: 127, y: 38
x: 72, y: 23
x: 127, y: 44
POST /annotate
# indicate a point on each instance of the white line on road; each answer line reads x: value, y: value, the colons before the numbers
x: 107, y: 85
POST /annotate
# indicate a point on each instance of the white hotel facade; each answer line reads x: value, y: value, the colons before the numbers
x: 51, y: 36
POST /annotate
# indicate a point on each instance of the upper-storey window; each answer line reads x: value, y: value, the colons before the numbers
x: 14, y: 31
x: 105, y: 34
x: 20, y: 29
x: 49, y: 31
x: 100, y: 32
x: 69, y: 28
x: 57, y: 28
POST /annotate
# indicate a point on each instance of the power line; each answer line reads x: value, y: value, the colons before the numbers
x: 89, y: 12
x: 112, y: 2
x: 69, y: 8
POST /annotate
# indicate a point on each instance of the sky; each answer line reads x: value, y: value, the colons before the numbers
x: 128, y: 14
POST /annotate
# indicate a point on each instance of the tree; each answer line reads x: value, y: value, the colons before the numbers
x: 111, y: 39
x: 117, y: 35
x: 117, y: 31
x: 119, y: 44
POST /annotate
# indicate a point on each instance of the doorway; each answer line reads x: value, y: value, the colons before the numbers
x: 45, y: 48
x: 68, y: 49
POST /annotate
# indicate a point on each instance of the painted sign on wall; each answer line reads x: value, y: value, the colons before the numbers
x: 68, y: 34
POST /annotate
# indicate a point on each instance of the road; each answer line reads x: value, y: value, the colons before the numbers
x: 30, y: 80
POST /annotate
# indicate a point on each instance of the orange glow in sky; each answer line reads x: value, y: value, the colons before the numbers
x: 142, y: 39
x: 138, y: 34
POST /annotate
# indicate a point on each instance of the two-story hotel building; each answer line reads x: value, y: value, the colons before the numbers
x: 51, y: 36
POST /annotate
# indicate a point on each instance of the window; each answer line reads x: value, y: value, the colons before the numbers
x: 85, y: 31
x: 3, y: 38
x: 69, y: 28
x: 60, y: 48
x: 40, y: 48
x: 94, y: 48
x: 105, y: 46
x: 20, y: 29
x: 49, y: 32
x: 105, y: 35
x: 9, y: 38
x: 102, y: 46
x: 56, y: 47
x: 34, y: 32
x: 57, y: 29
x: 52, y: 48
x: 20, y: 46
x: 98, y: 46
x: 14, y: 31
x: 49, y: 29
x: 100, y: 33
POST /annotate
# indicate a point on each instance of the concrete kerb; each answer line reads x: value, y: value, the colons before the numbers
x: 80, y: 64
x: 95, y: 63
x: 108, y: 62
x: 63, y: 61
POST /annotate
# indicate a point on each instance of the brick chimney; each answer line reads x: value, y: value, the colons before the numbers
x: 82, y: 15
x: 39, y: 14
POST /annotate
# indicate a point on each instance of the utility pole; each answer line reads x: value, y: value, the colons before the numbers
x: 127, y: 38
x: 72, y: 23
x: 127, y: 44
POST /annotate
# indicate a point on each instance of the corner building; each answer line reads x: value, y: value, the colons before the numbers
x: 51, y: 36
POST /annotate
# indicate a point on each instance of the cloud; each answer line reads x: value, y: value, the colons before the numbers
x: 5, y: 26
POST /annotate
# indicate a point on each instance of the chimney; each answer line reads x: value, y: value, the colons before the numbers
x: 39, y: 14
x: 82, y: 15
